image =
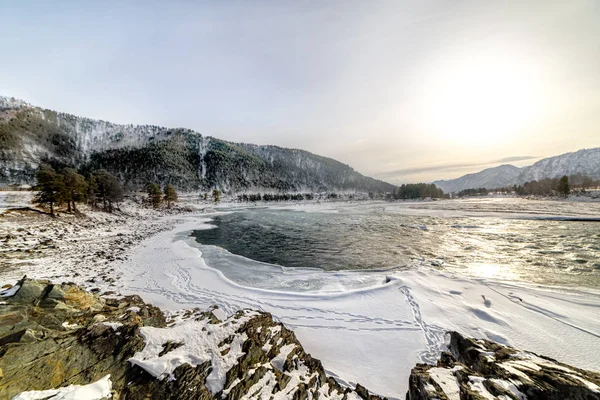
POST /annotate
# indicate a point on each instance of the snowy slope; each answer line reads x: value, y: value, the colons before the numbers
x: 586, y: 161
x: 490, y: 178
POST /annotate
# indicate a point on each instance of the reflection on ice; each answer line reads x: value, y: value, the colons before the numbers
x: 247, y: 272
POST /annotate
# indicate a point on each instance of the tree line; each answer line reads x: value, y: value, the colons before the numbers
x: 67, y: 186
x: 99, y: 189
x: 156, y: 197
x: 545, y: 187
x: 410, y: 191
x: 553, y: 186
x: 473, y: 192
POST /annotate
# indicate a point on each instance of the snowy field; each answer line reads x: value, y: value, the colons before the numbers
x: 371, y: 327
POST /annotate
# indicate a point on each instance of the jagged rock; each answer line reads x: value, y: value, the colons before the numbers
x: 52, y: 336
x: 483, y: 369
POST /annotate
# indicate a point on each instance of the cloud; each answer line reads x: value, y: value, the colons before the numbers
x: 418, y: 170
x: 447, y: 167
x: 513, y: 159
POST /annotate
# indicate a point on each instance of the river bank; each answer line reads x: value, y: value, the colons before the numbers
x: 373, y: 334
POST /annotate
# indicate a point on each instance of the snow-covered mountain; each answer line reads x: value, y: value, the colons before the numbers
x: 489, y: 178
x: 138, y: 154
x: 586, y: 161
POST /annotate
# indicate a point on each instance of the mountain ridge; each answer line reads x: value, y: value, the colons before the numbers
x: 489, y: 178
x: 138, y: 154
x: 584, y: 161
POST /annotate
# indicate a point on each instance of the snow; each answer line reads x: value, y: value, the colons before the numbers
x: 489, y: 178
x: 586, y: 161
x: 375, y: 334
x: 10, y: 291
x: 511, y: 387
x: 369, y: 327
x: 280, y: 358
x: 447, y: 381
x: 100, y: 389
x: 476, y: 383
x: 113, y: 325
x: 195, y: 349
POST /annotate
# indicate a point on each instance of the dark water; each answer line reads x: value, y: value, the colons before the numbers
x: 544, y: 251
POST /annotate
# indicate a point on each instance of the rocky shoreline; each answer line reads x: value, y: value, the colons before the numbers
x: 56, y: 335
x: 58, y: 338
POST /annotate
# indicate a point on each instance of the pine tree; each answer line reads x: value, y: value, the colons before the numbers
x: 170, y: 195
x: 92, y: 189
x: 216, y: 195
x: 75, y: 187
x: 109, y: 189
x: 49, y: 187
x: 563, y: 186
x: 154, y: 194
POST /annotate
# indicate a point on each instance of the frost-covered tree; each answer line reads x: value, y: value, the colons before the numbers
x: 170, y: 195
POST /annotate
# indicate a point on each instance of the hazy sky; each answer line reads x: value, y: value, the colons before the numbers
x: 401, y: 90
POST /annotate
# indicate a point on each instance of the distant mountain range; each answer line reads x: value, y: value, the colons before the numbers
x: 503, y: 175
x: 586, y: 161
x: 138, y: 154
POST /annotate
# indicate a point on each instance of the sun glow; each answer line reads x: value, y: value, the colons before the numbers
x: 487, y: 98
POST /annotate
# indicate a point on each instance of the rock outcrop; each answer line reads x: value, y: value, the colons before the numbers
x: 58, y: 336
x: 482, y: 369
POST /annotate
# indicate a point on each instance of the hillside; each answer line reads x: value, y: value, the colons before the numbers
x: 137, y: 154
x: 490, y: 178
x: 586, y: 161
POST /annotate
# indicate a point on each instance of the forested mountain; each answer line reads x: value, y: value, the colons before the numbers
x: 490, y: 178
x: 138, y: 154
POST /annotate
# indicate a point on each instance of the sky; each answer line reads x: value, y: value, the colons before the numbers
x: 404, y: 91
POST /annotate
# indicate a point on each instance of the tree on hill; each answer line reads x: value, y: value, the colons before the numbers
x: 216, y: 195
x: 154, y: 194
x: 75, y: 187
x: 170, y: 195
x: 563, y: 186
x: 50, y: 187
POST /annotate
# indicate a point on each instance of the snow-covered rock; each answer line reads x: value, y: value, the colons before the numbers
x: 61, y: 342
x: 483, y: 369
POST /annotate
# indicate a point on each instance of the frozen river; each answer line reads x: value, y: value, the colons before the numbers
x: 507, y: 239
x: 372, y: 325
